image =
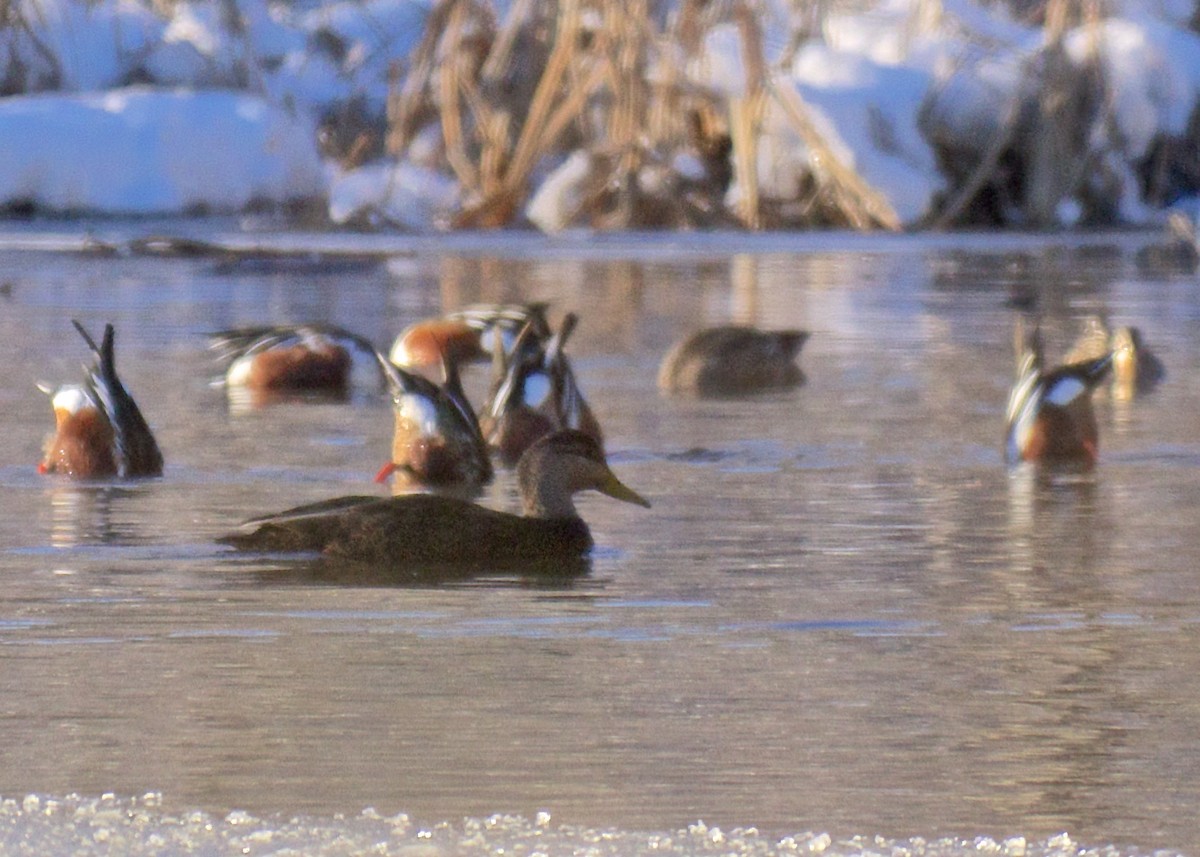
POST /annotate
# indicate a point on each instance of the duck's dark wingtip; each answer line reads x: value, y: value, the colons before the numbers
x: 108, y: 354
x: 87, y: 337
x: 402, y: 382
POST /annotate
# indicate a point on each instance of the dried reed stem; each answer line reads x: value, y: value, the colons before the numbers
x: 405, y: 106
x: 746, y: 114
x: 450, y: 81
x: 860, y: 204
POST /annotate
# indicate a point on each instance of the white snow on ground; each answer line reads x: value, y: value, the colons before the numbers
x: 1156, y: 69
x: 869, y: 112
x: 141, y: 151
x: 866, y: 82
x: 405, y: 195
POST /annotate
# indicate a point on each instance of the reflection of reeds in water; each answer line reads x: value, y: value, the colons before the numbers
x: 611, y: 293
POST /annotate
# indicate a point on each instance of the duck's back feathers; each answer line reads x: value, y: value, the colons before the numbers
x: 1050, y: 415
x: 417, y: 528
x: 302, y: 357
x: 136, y: 449
x: 437, y: 440
x: 534, y: 393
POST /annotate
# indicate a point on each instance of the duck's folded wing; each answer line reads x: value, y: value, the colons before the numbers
x: 310, y: 510
x: 310, y: 527
x: 424, y: 528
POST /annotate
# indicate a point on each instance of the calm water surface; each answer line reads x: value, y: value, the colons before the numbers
x: 843, y: 612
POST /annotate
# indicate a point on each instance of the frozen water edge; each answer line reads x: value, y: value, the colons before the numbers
x: 84, y: 236
x: 40, y: 825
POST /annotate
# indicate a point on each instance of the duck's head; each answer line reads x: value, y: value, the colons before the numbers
x: 561, y: 464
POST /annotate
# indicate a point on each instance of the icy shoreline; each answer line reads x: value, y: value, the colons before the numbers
x: 44, y: 825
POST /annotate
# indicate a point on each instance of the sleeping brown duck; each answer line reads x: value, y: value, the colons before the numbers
x: 732, y: 360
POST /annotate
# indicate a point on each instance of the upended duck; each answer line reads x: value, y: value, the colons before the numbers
x: 466, y: 335
x: 1135, y: 368
x: 437, y: 442
x: 1050, y: 417
x: 425, y: 528
x: 99, y: 430
x: 295, y: 358
x: 534, y: 393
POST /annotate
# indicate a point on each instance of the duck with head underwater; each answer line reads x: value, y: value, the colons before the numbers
x: 280, y: 360
x: 1050, y: 418
x: 437, y: 443
x: 466, y: 335
x: 411, y: 530
x: 99, y: 430
x: 535, y: 392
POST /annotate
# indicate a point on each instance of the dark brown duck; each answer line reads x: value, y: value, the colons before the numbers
x: 732, y: 360
x: 424, y: 528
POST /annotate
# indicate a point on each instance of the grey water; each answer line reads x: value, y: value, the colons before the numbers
x: 843, y: 618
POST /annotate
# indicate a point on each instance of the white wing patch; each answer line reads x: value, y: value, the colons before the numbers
x: 399, y: 354
x: 1064, y: 391
x: 420, y: 412
x: 239, y: 371
x: 537, y: 389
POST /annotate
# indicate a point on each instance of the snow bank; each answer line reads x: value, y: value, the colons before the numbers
x: 910, y: 96
x: 403, y: 195
x: 143, y: 151
x: 870, y: 113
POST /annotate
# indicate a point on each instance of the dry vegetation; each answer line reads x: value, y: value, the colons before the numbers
x: 607, y: 78
x: 501, y: 104
x: 18, y: 28
x: 511, y: 98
